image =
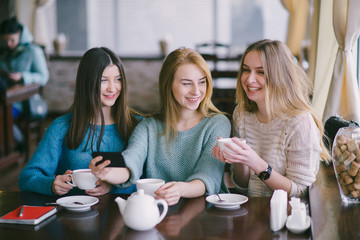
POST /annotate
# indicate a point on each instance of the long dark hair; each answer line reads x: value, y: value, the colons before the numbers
x: 87, y: 102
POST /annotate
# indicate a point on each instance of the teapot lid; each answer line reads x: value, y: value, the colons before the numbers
x: 141, y: 196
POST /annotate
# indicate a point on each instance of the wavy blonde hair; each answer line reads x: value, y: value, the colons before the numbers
x: 169, y: 107
x: 287, y: 86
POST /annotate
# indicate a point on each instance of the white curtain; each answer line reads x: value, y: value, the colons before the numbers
x: 323, y: 57
x: 25, y: 13
x: 39, y: 24
x: 298, y: 16
x: 31, y: 14
x: 344, y: 97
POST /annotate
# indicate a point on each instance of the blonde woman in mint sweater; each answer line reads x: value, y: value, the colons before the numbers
x: 175, y: 144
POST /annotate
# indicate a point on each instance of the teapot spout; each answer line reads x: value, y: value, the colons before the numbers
x: 121, y: 203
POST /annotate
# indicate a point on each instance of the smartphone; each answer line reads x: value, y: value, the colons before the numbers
x: 116, y: 158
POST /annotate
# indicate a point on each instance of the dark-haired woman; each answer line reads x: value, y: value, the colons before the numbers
x: 99, y: 120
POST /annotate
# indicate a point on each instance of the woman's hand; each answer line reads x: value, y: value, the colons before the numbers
x: 217, y: 153
x: 244, y: 154
x: 101, y: 189
x: 170, y: 192
x: 112, y: 175
x: 59, y: 186
x: 100, y: 171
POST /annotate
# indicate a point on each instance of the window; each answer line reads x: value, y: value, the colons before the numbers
x: 135, y: 27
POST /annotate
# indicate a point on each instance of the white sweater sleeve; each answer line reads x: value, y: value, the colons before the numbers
x: 303, y: 154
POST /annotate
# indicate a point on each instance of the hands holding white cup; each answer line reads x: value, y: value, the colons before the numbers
x: 82, y: 179
x: 226, y: 146
x: 236, y: 150
x: 150, y: 185
x: 170, y: 191
x: 223, y: 144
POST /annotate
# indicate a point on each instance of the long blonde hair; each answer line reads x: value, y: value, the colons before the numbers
x: 169, y: 107
x: 287, y: 86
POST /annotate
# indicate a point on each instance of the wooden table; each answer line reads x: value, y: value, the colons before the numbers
x: 331, y: 218
x: 18, y: 93
x: 189, y: 219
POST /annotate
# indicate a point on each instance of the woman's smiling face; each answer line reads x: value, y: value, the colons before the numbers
x: 189, y: 86
x: 110, y: 85
x: 253, y: 78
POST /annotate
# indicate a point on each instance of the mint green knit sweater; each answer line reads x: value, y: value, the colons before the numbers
x: 186, y: 158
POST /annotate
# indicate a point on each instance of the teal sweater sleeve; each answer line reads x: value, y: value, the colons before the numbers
x: 52, y: 157
x: 39, y: 174
x: 185, y: 158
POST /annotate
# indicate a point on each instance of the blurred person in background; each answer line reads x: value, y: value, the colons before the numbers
x: 21, y: 62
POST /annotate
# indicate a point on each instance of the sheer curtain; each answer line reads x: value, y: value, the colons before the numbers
x: 30, y: 13
x: 298, y: 16
x: 314, y: 35
x: 323, y: 57
x: 344, y: 97
x: 39, y: 22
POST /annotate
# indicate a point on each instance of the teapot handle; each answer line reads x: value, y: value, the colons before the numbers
x: 165, y: 205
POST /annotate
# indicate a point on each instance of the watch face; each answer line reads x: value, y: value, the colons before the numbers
x: 264, y: 175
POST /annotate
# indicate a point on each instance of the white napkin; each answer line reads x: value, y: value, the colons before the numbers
x: 278, y: 210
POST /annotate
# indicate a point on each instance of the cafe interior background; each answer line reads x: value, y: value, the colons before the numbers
x: 322, y: 35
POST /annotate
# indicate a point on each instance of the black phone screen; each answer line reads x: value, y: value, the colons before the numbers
x: 116, y: 158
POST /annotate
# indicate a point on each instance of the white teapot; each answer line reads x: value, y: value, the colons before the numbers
x: 140, y: 211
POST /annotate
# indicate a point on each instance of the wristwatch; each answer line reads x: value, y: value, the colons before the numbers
x: 264, y: 175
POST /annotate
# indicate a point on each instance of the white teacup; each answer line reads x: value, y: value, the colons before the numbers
x: 150, y: 185
x: 83, y: 179
x: 221, y: 143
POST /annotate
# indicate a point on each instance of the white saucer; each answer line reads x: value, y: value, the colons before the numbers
x: 297, y: 229
x: 69, y: 203
x: 231, y: 200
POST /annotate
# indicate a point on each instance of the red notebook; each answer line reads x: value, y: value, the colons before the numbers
x: 32, y: 215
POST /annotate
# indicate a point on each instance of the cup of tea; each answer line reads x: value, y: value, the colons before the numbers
x: 223, y: 141
x: 82, y: 179
x: 150, y: 185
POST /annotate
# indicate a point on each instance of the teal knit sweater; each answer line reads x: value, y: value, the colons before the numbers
x: 52, y: 157
x: 186, y: 158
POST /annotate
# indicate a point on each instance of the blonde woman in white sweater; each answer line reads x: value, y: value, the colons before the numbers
x: 283, y: 135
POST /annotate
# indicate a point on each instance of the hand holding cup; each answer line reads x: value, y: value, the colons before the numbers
x: 150, y: 185
x: 223, y: 142
x: 82, y: 179
x: 59, y: 185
